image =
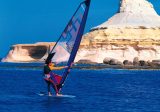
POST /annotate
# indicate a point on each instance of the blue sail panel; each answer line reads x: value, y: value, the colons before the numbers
x: 67, y: 45
x: 67, y: 39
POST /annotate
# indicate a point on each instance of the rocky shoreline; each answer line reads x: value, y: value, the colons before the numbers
x: 115, y: 64
x: 106, y: 66
x: 84, y: 66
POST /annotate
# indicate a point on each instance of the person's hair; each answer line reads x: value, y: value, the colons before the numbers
x: 47, y: 62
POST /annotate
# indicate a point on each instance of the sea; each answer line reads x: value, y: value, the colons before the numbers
x: 101, y: 90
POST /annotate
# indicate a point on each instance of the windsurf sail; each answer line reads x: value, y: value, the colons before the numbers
x: 68, y: 43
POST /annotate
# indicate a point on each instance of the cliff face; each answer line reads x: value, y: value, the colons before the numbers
x: 133, y: 14
x: 133, y: 32
x: 28, y: 52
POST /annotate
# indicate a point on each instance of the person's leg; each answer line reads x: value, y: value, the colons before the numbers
x: 48, y: 87
x: 54, y: 86
x: 55, y: 81
x: 59, y: 86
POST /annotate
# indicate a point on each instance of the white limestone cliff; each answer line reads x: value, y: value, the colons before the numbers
x: 133, y: 14
x: 27, y: 52
x: 133, y: 32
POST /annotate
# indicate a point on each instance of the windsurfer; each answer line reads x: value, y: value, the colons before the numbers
x: 69, y: 43
x: 51, y: 78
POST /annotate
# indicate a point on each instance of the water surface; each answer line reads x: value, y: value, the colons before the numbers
x: 106, y: 90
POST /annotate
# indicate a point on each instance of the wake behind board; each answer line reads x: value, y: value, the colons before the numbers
x: 61, y: 96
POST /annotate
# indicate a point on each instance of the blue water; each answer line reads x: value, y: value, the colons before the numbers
x: 106, y: 90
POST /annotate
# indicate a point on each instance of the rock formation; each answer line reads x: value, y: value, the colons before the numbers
x: 133, y: 32
x: 28, y: 52
x: 138, y: 14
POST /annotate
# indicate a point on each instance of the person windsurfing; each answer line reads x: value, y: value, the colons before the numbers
x: 66, y: 47
x: 51, y: 78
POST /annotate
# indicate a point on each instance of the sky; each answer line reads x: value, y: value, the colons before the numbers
x: 31, y: 21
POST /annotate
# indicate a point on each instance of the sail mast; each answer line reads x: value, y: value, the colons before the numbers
x: 77, y: 41
x: 68, y: 43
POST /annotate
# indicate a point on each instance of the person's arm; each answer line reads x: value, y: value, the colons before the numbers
x: 57, y: 68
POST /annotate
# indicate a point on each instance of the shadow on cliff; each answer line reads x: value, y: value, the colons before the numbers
x: 36, y: 52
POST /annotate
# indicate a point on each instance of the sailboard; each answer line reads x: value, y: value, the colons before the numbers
x: 66, y: 47
x: 61, y: 96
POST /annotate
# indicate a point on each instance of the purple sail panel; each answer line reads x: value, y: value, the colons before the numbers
x: 67, y: 45
x: 66, y: 42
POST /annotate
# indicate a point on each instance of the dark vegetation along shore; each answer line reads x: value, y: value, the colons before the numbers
x: 86, y: 64
x: 113, y: 63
